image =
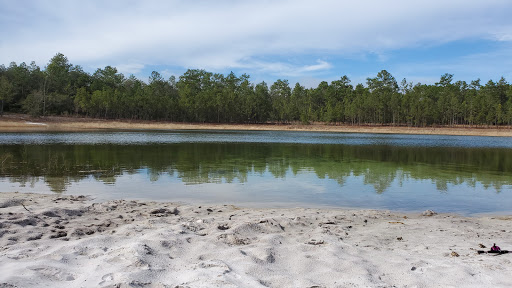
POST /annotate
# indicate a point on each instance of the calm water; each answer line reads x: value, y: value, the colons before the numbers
x: 267, y: 169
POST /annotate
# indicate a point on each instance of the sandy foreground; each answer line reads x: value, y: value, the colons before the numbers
x: 24, y: 123
x: 71, y: 241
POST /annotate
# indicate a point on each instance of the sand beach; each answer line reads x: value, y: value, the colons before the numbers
x: 73, y: 241
x: 25, y: 123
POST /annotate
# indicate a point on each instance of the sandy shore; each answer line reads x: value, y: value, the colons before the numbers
x: 23, y: 123
x: 66, y: 241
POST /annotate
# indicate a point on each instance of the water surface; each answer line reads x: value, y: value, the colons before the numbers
x: 460, y: 174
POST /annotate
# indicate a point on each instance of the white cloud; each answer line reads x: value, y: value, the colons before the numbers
x: 505, y: 37
x: 278, y: 68
x: 322, y: 65
x: 228, y: 34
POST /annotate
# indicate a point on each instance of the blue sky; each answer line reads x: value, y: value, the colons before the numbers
x: 302, y: 41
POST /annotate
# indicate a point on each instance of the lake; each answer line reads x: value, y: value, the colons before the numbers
x: 459, y: 174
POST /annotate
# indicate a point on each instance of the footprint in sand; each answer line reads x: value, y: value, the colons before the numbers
x: 53, y: 273
x: 215, y: 265
x: 107, y: 278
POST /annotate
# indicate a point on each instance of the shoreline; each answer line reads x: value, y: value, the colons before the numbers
x: 24, y: 123
x: 72, y: 241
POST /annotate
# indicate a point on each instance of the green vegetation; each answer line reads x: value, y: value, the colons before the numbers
x: 201, y: 96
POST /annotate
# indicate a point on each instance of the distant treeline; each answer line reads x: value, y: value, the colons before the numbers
x: 201, y: 96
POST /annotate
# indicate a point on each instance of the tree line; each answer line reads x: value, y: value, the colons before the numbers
x: 201, y: 96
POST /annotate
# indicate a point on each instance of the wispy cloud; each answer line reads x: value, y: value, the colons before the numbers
x: 321, y: 65
x: 279, y: 68
x: 504, y: 36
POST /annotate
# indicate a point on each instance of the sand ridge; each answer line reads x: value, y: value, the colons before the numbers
x: 24, y: 123
x: 71, y: 241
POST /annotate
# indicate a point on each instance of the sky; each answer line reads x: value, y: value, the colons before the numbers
x: 298, y: 40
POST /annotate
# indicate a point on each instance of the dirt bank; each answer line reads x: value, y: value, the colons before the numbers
x: 24, y: 123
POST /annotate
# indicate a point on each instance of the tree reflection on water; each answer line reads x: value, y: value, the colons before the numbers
x: 197, y: 163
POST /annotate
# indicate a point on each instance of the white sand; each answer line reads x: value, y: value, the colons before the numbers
x: 132, y: 244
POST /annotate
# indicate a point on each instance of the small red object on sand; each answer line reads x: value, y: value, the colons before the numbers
x: 495, y: 248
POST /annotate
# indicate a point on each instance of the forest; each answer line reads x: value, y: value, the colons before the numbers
x: 62, y: 88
